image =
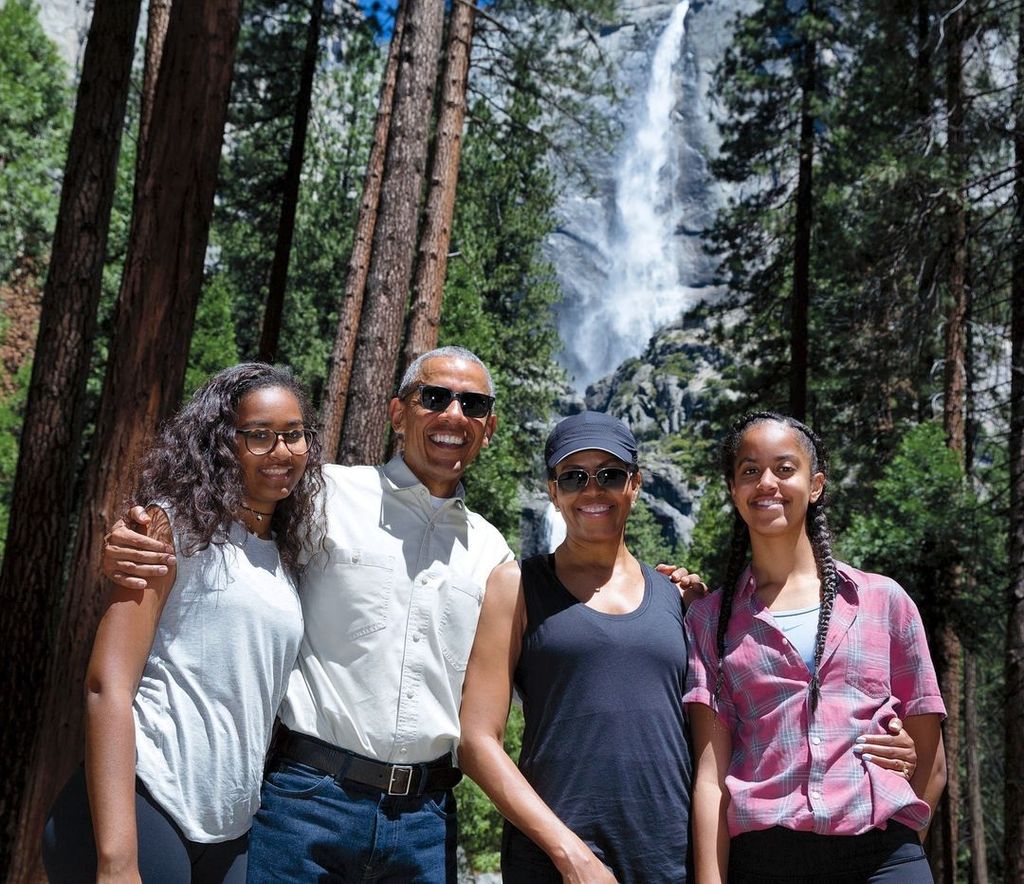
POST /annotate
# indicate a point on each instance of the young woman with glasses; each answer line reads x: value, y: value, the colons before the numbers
x: 186, y: 675
x: 794, y: 659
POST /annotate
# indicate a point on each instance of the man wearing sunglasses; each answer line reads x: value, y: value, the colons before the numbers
x: 359, y: 784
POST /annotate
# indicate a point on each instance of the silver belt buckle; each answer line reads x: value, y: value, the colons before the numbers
x: 401, y: 779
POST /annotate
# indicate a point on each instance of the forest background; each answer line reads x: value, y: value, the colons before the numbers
x: 278, y: 180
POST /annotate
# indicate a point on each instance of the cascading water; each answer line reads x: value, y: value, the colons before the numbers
x: 642, y: 255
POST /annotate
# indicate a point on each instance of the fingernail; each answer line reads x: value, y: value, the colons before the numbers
x: 160, y: 569
x: 858, y: 748
x: 867, y: 757
x: 862, y: 739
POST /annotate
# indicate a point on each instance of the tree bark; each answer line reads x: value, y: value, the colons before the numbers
x: 432, y: 255
x: 948, y: 649
x: 152, y: 328
x: 344, y: 348
x: 290, y: 196
x: 158, y: 14
x: 798, y: 332
x: 972, y: 746
x: 30, y: 584
x: 394, y: 236
x: 1013, y: 721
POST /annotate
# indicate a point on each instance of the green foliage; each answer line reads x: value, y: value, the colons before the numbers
x: 926, y: 517
x: 12, y: 411
x: 252, y: 171
x: 709, y: 543
x: 645, y: 540
x: 498, y: 298
x: 480, y: 824
x: 213, y: 344
x: 34, y: 125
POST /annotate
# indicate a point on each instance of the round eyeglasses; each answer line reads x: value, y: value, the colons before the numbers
x: 263, y: 441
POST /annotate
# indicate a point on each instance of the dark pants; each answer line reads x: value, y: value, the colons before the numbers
x: 310, y: 827
x: 166, y: 856
x: 890, y: 856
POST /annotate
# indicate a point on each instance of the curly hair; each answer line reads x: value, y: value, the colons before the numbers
x: 194, y: 467
x: 817, y: 532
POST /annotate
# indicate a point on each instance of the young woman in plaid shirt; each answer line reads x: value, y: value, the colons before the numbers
x: 795, y: 658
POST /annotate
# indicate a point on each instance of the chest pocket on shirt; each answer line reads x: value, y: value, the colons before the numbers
x: 867, y: 668
x: 458, y: 622
x: 365, y: 587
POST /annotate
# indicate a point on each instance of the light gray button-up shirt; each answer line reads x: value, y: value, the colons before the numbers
x: 390, y: 608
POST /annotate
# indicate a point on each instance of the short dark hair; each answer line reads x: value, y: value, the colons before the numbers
x: 414, y: 373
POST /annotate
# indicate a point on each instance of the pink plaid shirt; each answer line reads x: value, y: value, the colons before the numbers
x: 789, y: 768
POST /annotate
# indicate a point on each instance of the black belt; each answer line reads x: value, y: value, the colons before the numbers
x: 345, y: 766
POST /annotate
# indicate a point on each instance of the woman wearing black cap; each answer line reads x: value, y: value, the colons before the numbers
x: 593, y: 641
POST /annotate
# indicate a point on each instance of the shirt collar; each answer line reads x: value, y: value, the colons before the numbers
x: 397, y: 472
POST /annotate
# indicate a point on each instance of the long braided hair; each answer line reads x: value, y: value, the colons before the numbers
x: 817, y: 532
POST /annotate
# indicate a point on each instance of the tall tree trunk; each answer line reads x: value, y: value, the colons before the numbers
x: 972, y: 741
x: 344, y: 348
x: 290, y: 196
x: 1013, y: 815
x: 155, y: 312
x: 432, y: 255
x: 394, y: 237
x: 158, y: 14
x: 948, y: 649
x: 30, y: 584
x: 798, y: 332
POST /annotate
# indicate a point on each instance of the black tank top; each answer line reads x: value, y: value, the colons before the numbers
x: 605, y: 741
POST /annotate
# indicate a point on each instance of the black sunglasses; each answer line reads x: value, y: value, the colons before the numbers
x: 612, y: 478
x: 439, y: 398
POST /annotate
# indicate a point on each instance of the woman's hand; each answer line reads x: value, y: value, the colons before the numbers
x: 583, y: 867
x: 895, y: 750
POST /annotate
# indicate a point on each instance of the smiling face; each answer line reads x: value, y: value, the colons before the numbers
x: 594, y: 513
x: 438, y: 446
x: 269, y: 477
x: 771, y: 483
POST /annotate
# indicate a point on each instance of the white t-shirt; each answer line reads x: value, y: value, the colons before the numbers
x: 224, y: 646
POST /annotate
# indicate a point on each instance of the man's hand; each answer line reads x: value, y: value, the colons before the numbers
x: 691, y: 587
x: 895, y: 750
x: 130, y: 556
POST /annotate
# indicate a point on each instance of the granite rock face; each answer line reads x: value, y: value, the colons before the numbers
x: 615, y: 299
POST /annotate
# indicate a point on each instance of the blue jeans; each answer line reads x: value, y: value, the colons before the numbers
x: 881, y: 856
x: 312, y: 828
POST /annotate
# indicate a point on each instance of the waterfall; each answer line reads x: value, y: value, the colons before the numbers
x: 552, y: 528
x: 642, y: 291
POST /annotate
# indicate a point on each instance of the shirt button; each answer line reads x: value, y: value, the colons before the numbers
x: 408, y: 695
x: 403, y: 750
x: 816, y: 741
x: 815, y: 794
x: 416, y: 637
x: 355, y: 557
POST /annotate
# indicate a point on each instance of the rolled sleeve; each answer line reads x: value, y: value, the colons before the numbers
x: 914, y: 682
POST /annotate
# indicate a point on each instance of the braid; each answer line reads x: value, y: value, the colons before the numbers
x: 821, y: 543
x: 738, y: 545
x: 817, y: 532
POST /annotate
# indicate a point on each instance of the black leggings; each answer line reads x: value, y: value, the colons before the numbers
x: 166, y: 856
x: 880, y: 856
